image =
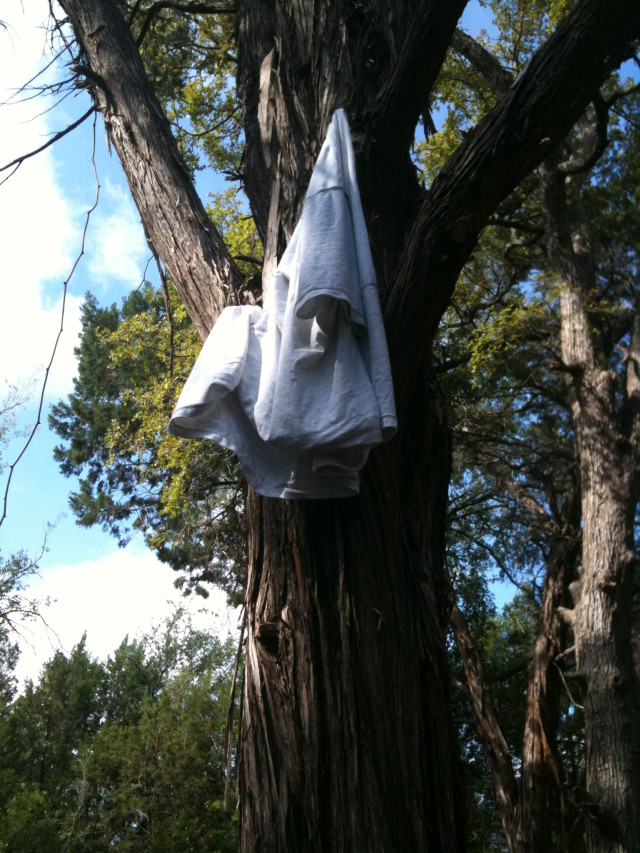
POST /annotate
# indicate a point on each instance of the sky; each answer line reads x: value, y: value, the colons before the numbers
x: 93, y: 585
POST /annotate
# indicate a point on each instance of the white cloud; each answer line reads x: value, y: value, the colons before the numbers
x: 38, y: 234
x: 126, y: 592
x: 43, y: 207
x: 118, y: 247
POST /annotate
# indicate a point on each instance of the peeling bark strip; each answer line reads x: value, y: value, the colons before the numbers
x: 173, y: 216
x: 347, y: 741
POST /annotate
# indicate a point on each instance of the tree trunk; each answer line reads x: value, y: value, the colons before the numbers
x: 607, y: 443
x: 505, y: 785
x: 346, y: 735
x: 347, y: 741
x: 542, y: 812
x: 346, y: 738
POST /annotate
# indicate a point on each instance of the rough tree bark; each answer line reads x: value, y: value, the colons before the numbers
x: 541, y: 806
x: 608, y: 443
x: 346, y: 736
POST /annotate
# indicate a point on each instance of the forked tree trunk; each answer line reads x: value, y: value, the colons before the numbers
x: 607, y: 436
x: 347, y: 741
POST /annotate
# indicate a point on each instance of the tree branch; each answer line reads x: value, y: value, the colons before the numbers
x: 482, y: 61
x: 65, y: 289
x: 598, y: 138
x: 529, y: 119
x: 200, y: 8
x: 195, y: 257
x: 402, y: 98
x: 62, y: 133
x: 508, y: 671
x: 489, y: 729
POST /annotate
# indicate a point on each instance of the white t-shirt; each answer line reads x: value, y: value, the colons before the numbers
x: 301, y: 391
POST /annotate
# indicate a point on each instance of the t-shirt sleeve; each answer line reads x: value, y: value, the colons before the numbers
x: 217, y: 371
x: 328, y: 259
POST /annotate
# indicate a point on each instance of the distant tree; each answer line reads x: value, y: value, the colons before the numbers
x: 556, y: 272
x: 124, y: 755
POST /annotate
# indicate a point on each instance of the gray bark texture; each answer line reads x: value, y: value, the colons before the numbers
x: 347, y: 743
x: 607, y: 437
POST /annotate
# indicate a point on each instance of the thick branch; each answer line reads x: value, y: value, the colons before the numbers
x: 206, y: 8
x: 483, y: 61
x: 377, y: 60
x: 536, y: 112
x: 402, y: 99
x: 597, y: 137
x: 196, y: 8
x: 195, y: 257
x: 489, y: 730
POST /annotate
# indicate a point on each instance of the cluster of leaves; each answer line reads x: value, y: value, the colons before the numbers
x: 186, y: 498
x: 122, y: 755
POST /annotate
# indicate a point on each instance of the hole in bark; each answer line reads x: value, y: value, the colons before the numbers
x: 268, y: 635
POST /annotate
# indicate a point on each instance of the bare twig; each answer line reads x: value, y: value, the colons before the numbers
x: 60, y: 330
x: 57, y: 136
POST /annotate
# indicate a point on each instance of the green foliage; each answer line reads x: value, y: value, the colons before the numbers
x: 124, y: 755
x: 190, y: 60
x: 16, y: 607
x: 186, y: 498
x: 237, y: 229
